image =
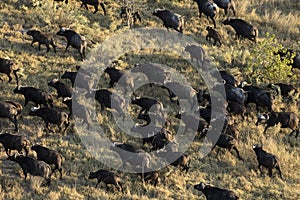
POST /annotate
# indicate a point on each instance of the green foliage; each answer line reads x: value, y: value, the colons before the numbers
x: 262, y: 65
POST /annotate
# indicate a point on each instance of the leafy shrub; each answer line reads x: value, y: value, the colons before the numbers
x: 262, y: 65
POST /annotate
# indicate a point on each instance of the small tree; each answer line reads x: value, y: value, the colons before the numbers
x: 263, y: 65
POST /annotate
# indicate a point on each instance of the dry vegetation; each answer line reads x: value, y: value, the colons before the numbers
x: 279, y: 17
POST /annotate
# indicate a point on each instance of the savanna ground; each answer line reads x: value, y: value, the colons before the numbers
x: 278, y: 17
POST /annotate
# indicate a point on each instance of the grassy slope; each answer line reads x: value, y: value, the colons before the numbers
x: 226, y: 172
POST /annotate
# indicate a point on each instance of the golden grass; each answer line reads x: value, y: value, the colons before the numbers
x: 37, y: 68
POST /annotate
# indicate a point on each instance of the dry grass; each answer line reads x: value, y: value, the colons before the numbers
x: 275, y: 16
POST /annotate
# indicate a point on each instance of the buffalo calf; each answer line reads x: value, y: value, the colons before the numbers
x: 212, y: 33
x: 83, y: 80
x: 7, y: 67
x: 38, y: 36
x: 154, y: 72
x: 94, y: 3
x: 37, y: 96
x: 170, y: 20
x: 208, y: 8
x: 242, y: 28
x: 51, y: 115
x: 121, y: 78
x: 181, y: 91
x: 50, y: 157
x: 108, y: 99
x: 226, y: 142
x: 266, y: 160
x: 196, y: 52
x: 62, y: 89
x: 81, y: 111
x: 176, y: 159
x: 108, y: 178
x: 150, y: 176
x: 284, y: 89
x: 286, y: 119
x: 130, y: 14
x: 32, y: 166
x: 148, y: 103
x: 226, y: 4
x: 10, y: 110
x: 75, y: 40
x: 140, y: 158
x: 14, y: 142
x: 193, y: 122
x: 215, y: 193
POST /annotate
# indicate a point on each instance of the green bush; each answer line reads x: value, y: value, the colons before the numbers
x: 262, y: 65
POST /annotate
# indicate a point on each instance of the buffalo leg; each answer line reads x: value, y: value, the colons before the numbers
x: 48, y: 127
x: 60, y: 171
x: 291, y: 133
x: 25, y: 173
x: 103, y: 8
x: 7, y: 151
x: 238, y: 153
x: 106, y: 187
x: 215, y: 43
x: 214, y: 22
x: 217, y: 151
x: 233, y: 10
x: 33, y: 41
x: 207, y: 38
x: 81, y: 56
x: 259, y: 167
x: 9, y: 77
x: 26, y: 101
x: 68, y: 44
x: 279, y: 170
x: 66, y: 126
x: 26, y: 150
x: 200, y: 14
x: 86, y: 7
x: 48, y: 181
x: 111, y: 83
x: 83, y: 51
x: 256, y: 123
x: 143, y: 110
x: 185, y: 167
x: 97, y: 183
x: 270, y: 172
x: 96, y: 8
x: 14, y: 120
x: 266, y: 128
x: 16, y: 76
x: 120, y: 185
x: 48, y: 48
x: 54, y: 46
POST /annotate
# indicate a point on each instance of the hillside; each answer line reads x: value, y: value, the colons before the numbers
x: 271, y: 17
